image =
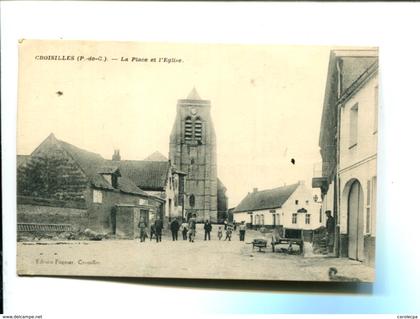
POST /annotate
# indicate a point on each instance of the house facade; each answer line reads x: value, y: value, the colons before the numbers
x: 292, y: 207
x: 348, y: 143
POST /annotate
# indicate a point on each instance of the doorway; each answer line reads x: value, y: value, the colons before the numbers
x: 355, y: 221
x: 113, y: 220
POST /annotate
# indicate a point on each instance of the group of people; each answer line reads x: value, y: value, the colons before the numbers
x: 188, y: 229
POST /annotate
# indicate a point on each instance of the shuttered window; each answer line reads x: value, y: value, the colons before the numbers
x: 188, y: 129
x: 198, y: 130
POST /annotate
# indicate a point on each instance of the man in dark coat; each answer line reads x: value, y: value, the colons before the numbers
x: 174, y: 229
x: 158, y: 229
x: 207, y: 230
x: 330, y: 231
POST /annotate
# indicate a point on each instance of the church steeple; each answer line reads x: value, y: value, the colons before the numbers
x: 193, y: 151
x: 193, y: 95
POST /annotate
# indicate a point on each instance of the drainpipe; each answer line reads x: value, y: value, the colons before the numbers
x: 337, y: 190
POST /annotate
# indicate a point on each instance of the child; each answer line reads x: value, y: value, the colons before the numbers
x: 184, y: 227
x: 229, y: 229
x: 220, y: 233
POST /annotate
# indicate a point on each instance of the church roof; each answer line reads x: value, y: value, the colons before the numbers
x: 193, y: 95
x: 156, y: 156
x: 266, y: 199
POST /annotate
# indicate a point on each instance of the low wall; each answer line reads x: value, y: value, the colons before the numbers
x: 52, y: 215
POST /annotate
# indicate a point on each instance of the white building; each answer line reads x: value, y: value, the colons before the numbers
x: 291, y: 206
x: 348, y: 142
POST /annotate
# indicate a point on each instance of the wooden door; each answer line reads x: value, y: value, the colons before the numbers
x: 355, y: 221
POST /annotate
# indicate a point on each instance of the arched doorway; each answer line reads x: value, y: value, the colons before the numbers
x: 355, y: 221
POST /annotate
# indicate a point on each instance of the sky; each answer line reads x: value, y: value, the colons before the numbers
x: 266, y: 103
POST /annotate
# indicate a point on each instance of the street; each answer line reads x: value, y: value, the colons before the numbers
x: 180, y: 259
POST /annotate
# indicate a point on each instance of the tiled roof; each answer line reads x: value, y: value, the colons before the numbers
x: 21, y: 159
x: 126, y: 185
x: 266, y: 199
x: 148, y: 175
x: 353, y: 68
x: 94, y: 165
x: 89, y: 162
x: 109, y: 170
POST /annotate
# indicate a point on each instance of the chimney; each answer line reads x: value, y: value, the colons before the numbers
x: 116, y: 156
x: 255, y: 190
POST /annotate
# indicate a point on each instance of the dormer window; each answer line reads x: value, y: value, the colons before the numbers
x: 110, y: 174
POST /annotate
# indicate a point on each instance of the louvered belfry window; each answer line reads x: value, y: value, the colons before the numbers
x: 188, y: 129
x: 198, y: 129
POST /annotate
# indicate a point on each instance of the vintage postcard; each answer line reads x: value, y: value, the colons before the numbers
x: 210, y: 161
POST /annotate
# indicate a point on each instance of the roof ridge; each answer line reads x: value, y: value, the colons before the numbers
x: 271, y: 189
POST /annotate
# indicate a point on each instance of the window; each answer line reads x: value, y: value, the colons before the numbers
x: 354, y: 117
x: 278, y: 219
x: 257, y: 219
x: 320, y: 215
x: 294, y: 218
x: 198, y: 129
x: 376, y: 110
x: 192, y: 200
x: 170, y: 206
x: 97, y: 196
x: 307, y: 202
x: 296, y: 202
x: 368, y: 205
x: 307, y: 219
x: 188, y: 129
x: 262, y: 219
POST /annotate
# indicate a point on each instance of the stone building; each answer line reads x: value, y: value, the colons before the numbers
x: 348, y: 145
x: 193, y: 151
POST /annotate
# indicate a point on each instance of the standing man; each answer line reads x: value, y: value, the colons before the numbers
x: 142, y: 226
x: 158, y: 229
x: 330, y: 231
x: 207, y: 229
x: 191, y: 228
x: 175, y: 229
x: 242, y: 228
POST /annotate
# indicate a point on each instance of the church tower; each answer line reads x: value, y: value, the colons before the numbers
x: 193, y: 150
